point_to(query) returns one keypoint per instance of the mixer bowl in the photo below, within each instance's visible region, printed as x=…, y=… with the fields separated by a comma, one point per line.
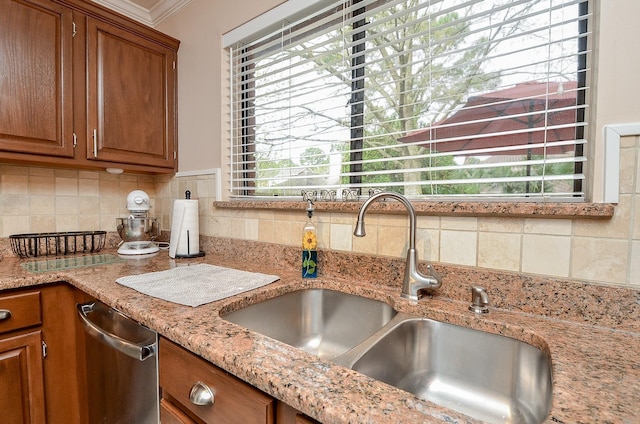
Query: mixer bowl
x=137, y=229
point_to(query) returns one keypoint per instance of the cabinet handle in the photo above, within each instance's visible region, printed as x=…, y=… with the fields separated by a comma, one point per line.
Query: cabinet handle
x=201, y=394
x=95, y=143
x=5, y=314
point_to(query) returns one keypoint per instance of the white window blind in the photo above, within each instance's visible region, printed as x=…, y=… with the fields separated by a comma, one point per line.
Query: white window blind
x=433, y=99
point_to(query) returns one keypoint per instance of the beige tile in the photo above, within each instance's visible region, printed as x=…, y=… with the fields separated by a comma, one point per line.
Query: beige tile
x=66, y=205
x=89, y=222
x=67, y=222
x=616, y=227
x=634, y=268
x=65, y=173
x=15, y=184
x=560, y=227
x=42, y=224
x=251, y=229
x=266, y=230
x=501, y=225
x=323, y=231
x=42, y=172
x=638, y=173
x=108, y=222
x=367, y=244
x=459, y=223
x=627, y=169
x=284, y=233
x=41, y=185
x=428, y=222
x=388, y=220
x=237, y=228
x=111, y=205
x=427, y=244
x=458, y=247
x=14, y=170
x=108, y=188
x=42, y=205
x=546, y=254
x=392, y=241
x=88, y=175
x=636, y=219
x=88, y=187
x=600, y=260
x=89, y=205
x=14, y=204
x=66, y=186
x=499, y=251
x=346, y=218
x=15, y=225
x=341, y=237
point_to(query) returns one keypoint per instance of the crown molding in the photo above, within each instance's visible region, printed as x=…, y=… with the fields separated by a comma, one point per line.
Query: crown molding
x=151, y=16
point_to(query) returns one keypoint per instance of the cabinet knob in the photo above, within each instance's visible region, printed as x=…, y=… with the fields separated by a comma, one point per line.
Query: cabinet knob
x=201, y=394
x=5, y=314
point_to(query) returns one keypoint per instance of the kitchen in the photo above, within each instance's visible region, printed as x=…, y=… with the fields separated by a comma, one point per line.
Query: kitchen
x=605, y=253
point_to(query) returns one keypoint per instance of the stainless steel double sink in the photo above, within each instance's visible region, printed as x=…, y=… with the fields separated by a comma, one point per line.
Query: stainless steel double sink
x=486, y=376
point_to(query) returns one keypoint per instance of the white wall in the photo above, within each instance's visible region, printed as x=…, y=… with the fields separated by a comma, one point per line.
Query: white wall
x=201, y=120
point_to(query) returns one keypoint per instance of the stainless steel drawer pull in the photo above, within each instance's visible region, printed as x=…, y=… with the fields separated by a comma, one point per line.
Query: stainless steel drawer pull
x=5, y=314
x=201, y=394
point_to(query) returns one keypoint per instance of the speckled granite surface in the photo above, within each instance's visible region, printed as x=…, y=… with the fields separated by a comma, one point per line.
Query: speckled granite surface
x=444, y=208
x=591, y=332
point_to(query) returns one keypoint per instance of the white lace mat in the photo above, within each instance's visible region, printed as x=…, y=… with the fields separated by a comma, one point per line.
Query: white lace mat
x=197, y=284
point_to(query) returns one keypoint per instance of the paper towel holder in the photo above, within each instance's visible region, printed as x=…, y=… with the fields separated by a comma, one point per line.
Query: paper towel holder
x=181, y=235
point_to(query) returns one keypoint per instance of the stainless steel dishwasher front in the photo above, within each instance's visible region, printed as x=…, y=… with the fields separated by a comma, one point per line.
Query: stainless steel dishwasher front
x=121, y=367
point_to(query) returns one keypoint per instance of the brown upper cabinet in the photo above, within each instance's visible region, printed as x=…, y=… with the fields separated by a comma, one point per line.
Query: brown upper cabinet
x=81, y=86
x=36, y=108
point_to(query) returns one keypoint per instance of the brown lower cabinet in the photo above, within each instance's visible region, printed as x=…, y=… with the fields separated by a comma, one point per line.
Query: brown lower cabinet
x=39, y=369
x=233, y=400
x=21, y=378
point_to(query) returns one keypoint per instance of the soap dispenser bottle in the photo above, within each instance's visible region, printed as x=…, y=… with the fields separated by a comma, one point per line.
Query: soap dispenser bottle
x=309, y=246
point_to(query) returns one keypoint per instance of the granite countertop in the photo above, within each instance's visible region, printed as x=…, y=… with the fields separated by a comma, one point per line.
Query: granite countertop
x=596, y=364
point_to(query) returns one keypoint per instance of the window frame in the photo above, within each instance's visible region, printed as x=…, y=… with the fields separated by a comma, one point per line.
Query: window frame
x=356, y=127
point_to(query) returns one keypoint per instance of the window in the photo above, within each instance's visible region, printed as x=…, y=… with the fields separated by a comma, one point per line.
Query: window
x=430, y=98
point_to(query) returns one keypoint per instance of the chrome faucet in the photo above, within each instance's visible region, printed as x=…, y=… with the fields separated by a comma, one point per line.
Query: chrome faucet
x=413, y=279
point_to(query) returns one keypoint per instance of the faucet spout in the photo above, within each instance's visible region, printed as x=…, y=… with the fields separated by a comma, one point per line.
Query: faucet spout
x=414, y=280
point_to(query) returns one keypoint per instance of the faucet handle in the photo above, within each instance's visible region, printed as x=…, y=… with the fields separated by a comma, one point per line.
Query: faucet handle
x=479, y=300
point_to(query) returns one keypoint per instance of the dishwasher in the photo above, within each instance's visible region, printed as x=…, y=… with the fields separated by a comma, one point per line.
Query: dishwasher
x=121, y=367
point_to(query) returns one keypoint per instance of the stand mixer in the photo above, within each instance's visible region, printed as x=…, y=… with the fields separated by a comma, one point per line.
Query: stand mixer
x=138, y=231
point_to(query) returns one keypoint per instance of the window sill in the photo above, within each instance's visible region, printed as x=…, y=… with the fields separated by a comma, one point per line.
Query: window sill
x=439, y=208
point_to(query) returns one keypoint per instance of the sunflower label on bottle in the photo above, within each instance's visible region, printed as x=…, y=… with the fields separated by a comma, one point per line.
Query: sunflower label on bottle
x=309, y=251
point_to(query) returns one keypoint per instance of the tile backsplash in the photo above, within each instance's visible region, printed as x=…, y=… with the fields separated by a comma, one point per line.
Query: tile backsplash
x=38, y=199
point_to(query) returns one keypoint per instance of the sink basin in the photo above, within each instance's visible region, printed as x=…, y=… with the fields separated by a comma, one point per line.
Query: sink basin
x=489, y=377
x=323, y=322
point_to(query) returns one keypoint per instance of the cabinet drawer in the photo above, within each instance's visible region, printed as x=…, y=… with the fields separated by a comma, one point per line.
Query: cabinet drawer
x=19, y=311
x=234, y=400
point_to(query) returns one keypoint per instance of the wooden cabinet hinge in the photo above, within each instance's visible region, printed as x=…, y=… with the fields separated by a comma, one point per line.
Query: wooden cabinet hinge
x=75, y=140
x=74, y=32
x=44, y=349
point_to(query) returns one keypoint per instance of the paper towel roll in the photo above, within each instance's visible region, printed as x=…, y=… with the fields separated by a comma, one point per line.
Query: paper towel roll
x=185, y=229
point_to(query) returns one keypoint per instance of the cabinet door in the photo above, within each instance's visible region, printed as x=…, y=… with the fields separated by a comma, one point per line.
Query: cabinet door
x=131, y=97
x=21, y=379
x=36, y=110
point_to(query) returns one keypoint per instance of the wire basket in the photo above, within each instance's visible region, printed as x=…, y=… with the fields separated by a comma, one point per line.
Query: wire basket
x=56, y=244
